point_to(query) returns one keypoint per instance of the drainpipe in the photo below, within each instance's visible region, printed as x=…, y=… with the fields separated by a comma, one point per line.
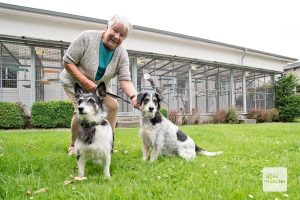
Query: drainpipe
x=244, y=83
x=33, y=77
x=243, y=56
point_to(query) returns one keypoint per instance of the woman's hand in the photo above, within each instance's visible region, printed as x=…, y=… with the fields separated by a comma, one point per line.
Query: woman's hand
x=134, y=103
x=89, y=86
x=129, y=90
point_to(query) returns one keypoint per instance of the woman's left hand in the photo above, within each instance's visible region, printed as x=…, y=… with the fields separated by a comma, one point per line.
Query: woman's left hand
x=134, y=103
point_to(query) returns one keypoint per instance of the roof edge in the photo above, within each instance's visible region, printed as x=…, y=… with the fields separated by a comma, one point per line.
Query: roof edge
x=212, y=42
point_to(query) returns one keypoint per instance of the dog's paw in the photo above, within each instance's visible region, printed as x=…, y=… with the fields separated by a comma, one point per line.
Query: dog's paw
x=152, y=160
x=144, y=158
x=107, y=177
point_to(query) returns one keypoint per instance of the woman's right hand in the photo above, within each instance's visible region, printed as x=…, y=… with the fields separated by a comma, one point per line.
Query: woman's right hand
x=89, y=86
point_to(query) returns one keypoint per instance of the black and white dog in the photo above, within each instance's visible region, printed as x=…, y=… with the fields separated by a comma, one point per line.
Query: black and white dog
x=95, y=136
x=162, y=135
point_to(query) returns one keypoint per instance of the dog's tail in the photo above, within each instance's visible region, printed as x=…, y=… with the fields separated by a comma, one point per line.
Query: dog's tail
x=207, y=153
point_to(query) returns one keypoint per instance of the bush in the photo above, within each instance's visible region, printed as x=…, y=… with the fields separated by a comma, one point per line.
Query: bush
x=173, y=116
x=52, y=114
x=196, y=116
x=274, y=114
x=11, y=116
x=269, y=115
x=258, y=114
x=290, y=109
x=186, y=119
x=220, y=117
x=286, y=102
x=232, y=117
x=164, y=112
x=253, y=113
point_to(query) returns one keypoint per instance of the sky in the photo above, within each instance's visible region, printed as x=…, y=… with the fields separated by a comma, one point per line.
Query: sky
x=267, y=25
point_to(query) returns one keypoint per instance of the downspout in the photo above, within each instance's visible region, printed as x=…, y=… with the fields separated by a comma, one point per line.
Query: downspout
x=243, y=56
x=244, y=82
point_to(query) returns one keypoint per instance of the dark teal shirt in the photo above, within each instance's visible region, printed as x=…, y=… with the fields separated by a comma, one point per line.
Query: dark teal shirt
x=104, y=59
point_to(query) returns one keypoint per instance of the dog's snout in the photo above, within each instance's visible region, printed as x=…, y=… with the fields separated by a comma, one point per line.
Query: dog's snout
x=151, y=109
x=80, y=109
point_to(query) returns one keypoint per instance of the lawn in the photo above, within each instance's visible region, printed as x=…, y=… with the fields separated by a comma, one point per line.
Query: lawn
x=35, y=159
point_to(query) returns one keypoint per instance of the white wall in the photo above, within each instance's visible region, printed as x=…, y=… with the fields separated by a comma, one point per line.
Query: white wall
x=18, y=23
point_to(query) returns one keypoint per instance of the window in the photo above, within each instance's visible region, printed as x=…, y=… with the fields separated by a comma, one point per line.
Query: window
x=8, y=77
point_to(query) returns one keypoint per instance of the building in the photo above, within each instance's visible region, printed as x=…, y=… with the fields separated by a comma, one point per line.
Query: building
x=295, y=69
x=197, y=75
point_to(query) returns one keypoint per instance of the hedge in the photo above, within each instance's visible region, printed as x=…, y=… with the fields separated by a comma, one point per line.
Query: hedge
x=11, y=116
x=52, y=114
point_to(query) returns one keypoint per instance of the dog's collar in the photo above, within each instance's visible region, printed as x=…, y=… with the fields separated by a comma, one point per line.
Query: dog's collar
x=86, y=124
x=156, y=119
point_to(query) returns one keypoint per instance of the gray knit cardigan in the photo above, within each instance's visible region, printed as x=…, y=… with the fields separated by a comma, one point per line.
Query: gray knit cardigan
x=84, y=53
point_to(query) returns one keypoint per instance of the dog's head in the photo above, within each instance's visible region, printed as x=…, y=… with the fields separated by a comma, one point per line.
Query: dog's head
x=149, y=103
x=90, y=105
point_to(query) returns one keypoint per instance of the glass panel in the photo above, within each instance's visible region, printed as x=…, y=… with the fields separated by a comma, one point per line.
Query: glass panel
x=224, y=90
x=211, y=94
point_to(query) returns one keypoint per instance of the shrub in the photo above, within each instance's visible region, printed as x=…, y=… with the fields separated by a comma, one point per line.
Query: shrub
x=252, y=114
x=274, y=114
x=259, y=115
x=286, y=102
x=173, y=116
x=269, y=115
x=11, y=116
x=196, y=119
x=164, y=112
x=196, y=116
x=220, y=117
x=232, y=117
x=52, y=114
x=186, y=119
x=290, y=110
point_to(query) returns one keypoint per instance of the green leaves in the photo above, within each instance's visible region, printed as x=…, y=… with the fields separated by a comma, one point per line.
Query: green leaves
x=286, y=101
x=11, y=116
x=52, y=114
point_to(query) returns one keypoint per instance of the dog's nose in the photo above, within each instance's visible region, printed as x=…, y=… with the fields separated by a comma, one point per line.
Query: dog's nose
x=151, y=109
x=80, y=109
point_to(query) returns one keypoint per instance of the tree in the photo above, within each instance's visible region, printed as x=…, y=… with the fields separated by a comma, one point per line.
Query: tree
x=286, y=101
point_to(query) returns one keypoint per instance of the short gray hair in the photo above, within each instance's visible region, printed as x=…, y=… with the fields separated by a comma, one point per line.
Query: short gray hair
x=119, y=19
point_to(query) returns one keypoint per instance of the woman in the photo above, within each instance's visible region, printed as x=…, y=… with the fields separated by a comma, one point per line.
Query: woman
x=94, y=57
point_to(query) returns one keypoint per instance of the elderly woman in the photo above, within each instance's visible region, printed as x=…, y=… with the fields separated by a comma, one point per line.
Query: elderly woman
x=94, y=57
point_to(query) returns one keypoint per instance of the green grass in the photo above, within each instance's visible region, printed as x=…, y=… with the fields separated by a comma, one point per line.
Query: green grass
x=236, y=174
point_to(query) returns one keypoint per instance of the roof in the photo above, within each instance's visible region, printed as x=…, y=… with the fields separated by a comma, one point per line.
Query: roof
x=293, y=65
x=140, y=28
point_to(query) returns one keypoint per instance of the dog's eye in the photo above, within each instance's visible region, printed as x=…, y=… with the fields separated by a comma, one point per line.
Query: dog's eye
x=79, y=101
x=92, y=101
x=146, y=100
x=155, y=101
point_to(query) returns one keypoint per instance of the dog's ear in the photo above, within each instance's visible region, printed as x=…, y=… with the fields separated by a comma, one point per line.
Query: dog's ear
x=158, y=97
x=78, y=90
x=101, y=89
x=140, y=97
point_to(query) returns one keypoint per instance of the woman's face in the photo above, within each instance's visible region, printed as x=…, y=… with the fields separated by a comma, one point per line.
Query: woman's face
x=114, y=35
